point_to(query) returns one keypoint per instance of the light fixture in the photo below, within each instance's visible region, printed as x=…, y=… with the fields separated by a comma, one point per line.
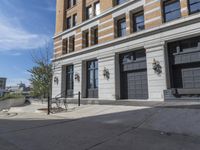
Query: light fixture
x=77, y=77
x=106, y=73
x=157, y=67
x=56, y=80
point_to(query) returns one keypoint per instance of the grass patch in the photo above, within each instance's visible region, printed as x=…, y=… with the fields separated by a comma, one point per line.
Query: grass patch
x=11, y=96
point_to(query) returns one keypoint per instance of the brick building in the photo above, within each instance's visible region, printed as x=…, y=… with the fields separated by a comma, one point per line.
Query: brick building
x=127, y=49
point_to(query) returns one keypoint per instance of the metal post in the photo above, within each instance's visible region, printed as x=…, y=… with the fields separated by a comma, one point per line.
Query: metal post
x=79, y=98
x=48, y=111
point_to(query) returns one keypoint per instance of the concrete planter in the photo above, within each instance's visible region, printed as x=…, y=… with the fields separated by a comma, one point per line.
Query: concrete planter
x=7, y=104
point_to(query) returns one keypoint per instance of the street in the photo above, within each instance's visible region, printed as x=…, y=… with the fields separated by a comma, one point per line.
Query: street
x=102, y=127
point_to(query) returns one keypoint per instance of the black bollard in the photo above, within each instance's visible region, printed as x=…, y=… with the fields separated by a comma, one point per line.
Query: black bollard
x=79, y=98
x=48, y=111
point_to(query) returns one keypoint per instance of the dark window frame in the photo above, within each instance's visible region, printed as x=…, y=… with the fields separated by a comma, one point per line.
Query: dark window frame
x=189, y=7
x=133, y=56
x=95, y=8
x=134, y=25
x=65, y=44
x=69, y=79
x=68, y=22
x=69, y=4
x=74, y=20
x=182, y=45
x=74, y=2
x=94, y=36
x=87, y=12
x=167, y=3
x=92, y=69
x=71, y=44
x=121, y=32
x=119, y=2
x=86, y=39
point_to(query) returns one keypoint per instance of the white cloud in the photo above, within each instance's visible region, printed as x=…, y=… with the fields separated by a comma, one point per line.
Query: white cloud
x=14, y=37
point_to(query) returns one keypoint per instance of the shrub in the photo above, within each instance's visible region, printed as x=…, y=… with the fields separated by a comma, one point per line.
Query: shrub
x=11, y=96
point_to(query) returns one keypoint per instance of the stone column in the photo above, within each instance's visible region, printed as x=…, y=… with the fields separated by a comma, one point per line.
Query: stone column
x=107, y=84
x=57, y=74
x=77, y=77
x=156, y=82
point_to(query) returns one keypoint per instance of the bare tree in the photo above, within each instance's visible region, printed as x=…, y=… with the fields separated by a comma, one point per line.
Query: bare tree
x=42, y=72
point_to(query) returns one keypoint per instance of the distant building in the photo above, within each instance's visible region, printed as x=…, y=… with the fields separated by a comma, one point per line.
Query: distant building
x=19, y=88
x=2, y=86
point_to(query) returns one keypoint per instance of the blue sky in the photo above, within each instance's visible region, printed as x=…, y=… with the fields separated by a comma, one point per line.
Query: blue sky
x=25, y=26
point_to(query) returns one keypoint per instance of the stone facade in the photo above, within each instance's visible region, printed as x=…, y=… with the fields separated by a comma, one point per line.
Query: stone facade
x=154, y=39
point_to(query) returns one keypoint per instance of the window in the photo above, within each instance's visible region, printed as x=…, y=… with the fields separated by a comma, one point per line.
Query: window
x=121, y=27
x=74, y=2
x=138, y=21
x=92, y=74
x=70, y=73
x=69, y=80
x=96, y=9
x=85, y=39
x=65, y=46
x=194, y=6
x=88, y=12
x=69, y=4
x=171, y=10
x=68, y=22
x=71, y=44
x=74, y=20
x=94, y=35
x=118, y=2
x=71, y=21
x=185, y=45
x=133, y=56
x=92, y=10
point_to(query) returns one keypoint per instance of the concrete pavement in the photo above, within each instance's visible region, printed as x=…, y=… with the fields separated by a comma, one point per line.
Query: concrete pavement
x=102, y=127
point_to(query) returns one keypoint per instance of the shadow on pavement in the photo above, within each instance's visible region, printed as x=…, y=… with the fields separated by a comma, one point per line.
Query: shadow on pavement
x=183, y=106
x=141, y=129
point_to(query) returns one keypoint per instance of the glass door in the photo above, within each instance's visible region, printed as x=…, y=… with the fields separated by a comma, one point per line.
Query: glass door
x=92, y=79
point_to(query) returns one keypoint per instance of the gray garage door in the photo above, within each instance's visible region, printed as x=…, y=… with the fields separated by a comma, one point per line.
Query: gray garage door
x=134, y=83
x=191, y=78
